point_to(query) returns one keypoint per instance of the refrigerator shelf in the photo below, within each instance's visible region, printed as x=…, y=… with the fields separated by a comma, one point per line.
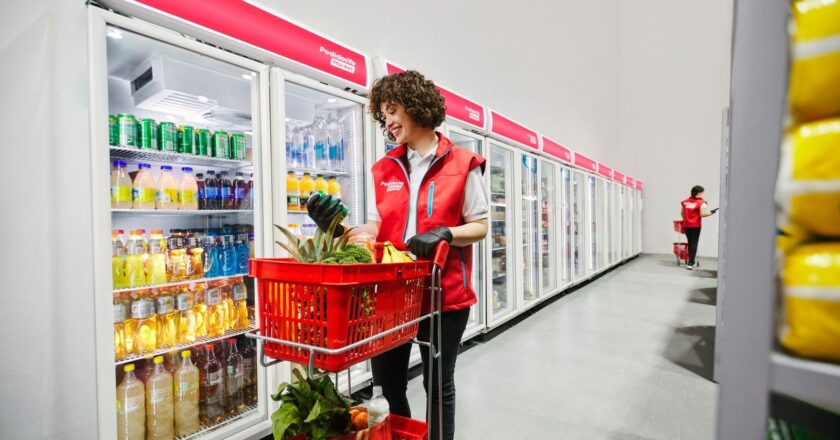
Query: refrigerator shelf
x=132, y=153
x=315, y=171
x=204, y=429
x=178, y=212
x=198, y=341
x=178, y=283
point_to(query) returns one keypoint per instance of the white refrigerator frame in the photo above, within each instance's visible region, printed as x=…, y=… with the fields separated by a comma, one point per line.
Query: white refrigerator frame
x=556, y=227
x=251, y=426
x=519, y=287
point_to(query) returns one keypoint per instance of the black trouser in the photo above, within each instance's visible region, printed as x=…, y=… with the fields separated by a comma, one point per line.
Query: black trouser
x=390, y=371
x=693, y=235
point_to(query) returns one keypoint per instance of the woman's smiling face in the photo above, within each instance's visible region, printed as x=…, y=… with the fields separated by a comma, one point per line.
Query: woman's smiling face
x=399, y=124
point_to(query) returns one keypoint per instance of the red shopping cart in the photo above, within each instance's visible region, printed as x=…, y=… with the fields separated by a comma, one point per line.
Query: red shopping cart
x=680, y=248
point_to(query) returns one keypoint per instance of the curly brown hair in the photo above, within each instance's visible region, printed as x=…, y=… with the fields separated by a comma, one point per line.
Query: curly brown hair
x=421, y=99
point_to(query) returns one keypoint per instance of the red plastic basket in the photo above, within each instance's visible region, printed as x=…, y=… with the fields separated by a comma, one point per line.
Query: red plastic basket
x=681, y=251
x=678, y=226
x=403, y=428
x=332, y=306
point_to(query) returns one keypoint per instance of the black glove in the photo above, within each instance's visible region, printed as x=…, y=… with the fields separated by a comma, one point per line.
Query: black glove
x=322, y=210
x=422, y=245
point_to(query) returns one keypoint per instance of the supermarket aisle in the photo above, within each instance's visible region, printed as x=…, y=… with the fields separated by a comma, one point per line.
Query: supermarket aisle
x=626, y=357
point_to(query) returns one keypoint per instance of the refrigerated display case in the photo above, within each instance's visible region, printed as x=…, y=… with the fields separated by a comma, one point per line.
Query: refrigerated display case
x=593, y=249
x=166, y=110
x=549, y=224
x=501, y=290
x=568, y=224
x=530, y=230
x=580, y=203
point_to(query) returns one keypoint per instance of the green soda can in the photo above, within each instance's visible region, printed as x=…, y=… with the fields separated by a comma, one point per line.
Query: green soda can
x=237, y=146
x=186, y=139
x=113, y=131
x=221, y=145
x=167, y=136
x=127, y=127
x=202, y=142
x=148, y=134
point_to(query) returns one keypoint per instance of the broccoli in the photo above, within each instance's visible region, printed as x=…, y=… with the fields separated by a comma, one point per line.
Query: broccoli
x=351, y=254
x=329, y=260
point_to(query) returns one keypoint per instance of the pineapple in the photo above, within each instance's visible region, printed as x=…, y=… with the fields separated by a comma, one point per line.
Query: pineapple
x=315, y=249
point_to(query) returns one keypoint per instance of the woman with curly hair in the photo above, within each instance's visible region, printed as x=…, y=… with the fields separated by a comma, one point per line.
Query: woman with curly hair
x=427, y=190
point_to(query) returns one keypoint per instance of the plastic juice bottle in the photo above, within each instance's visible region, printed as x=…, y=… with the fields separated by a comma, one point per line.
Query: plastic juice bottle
x=156, y=263
x=292, y=192
x=227, y=302
x=239, y=188
x=120, y=315
x=144, y=192
x=234, y=380
x=131, y=407
x=186, y=396
x=307, y=186
x=186, y=318
x=249, y=367
x=333, y=187
x=239, y=294
x=201, y=192
x=211, y=190
x=200, y=310
x=188, y=190
x=129, y=329
x=321, y=184
x=195, y=259
x=243, y=253
x=229, y=264
x=211, y=265
x=135, y=261
x=160, y=415
x=167, y=321
x=145, y=335
x=212, y=388
x=215, y=320
x=118, y=256
x=166, y=196
x=121, y=186
x=226, y=188
x=178, y=259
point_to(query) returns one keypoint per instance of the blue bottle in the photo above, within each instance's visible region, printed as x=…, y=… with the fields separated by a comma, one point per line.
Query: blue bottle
x=211, y=266
x=227, y=256
x=242, y=253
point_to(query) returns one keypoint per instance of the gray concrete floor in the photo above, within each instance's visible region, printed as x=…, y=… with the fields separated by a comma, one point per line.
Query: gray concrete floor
x=628, y=356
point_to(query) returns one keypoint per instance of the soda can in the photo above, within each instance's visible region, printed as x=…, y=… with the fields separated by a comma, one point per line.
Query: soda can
x=127, y=127
x=221, y=145
x=186, y=139
x=167, y=136
x=113, y=131
x=202, y=142
x=148, y=134
x=237, y=146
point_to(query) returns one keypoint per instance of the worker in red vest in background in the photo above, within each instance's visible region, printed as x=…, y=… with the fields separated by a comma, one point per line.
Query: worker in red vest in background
x=693, y=210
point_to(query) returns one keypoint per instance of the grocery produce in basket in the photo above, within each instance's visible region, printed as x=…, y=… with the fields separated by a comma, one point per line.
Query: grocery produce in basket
x=311, y=407
x=324, y=248
x=390, y=254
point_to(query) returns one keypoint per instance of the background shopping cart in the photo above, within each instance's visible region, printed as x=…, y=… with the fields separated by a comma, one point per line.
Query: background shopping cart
x=680, y=247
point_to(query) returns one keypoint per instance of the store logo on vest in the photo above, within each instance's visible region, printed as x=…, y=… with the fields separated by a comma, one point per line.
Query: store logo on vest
x=392, y=186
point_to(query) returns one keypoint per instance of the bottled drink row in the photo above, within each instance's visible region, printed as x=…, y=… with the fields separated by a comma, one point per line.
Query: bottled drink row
x=316, y=146
x=143, y=190
x=183, y=255
x=176, y=394
x=147, y=134
x=147, y=320
x=298, y=190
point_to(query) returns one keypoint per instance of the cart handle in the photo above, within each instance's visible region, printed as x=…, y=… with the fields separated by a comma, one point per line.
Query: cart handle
x=441, y=251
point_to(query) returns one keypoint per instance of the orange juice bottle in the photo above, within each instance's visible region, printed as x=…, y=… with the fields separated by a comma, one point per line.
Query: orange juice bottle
x=156, y=263
x=145, y=335
x=215, y=312
x=307, y=186
x=167, y=318
x=186, y=318
x=292, y=192
x=200, y=309
x=240, y=307
x=333, y=187
x=118, y=254
x=120, y=315
x=135, y=260
x=321, y=184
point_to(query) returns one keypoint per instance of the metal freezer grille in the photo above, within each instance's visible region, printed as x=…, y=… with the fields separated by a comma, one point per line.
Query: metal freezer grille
x=204, y=429
x=138, y=155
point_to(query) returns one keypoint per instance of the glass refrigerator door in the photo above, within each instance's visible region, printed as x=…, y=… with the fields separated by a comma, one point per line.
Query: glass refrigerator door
x=530, y=229
x=567, y=233
x=501, y=299
x=185, y=217
x=594, y=241
x=476, y=322
x=548, y=226
x=579, y=203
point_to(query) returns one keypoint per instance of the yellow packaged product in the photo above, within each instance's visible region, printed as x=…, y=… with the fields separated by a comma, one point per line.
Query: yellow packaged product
x=814, y=91
x=808, y=188
x=811, y=290
x=790, y=236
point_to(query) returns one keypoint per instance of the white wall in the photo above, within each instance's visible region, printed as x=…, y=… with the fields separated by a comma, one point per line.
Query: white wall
x=551, y=65
x=674, y=62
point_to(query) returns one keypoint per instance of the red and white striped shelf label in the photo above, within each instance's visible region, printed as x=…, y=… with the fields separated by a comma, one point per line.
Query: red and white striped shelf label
x=508, y=129
x=556, y=150
x=257, y=27
x=586, y=163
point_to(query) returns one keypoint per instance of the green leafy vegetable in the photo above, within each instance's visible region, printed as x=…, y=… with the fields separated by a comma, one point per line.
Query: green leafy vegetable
x=351, y=254
x=311, y=407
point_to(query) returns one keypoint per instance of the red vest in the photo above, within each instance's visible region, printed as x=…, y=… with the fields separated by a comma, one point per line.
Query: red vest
x=439, y=203
x=691, y=212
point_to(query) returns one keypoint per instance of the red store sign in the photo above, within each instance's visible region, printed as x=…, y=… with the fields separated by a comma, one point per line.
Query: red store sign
x=585, y=162
x=618, y=177
x=556, y=150
x=605, y=171
x=508, y=129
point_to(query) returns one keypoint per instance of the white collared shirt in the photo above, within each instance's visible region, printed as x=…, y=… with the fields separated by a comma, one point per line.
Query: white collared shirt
x=475, y=194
